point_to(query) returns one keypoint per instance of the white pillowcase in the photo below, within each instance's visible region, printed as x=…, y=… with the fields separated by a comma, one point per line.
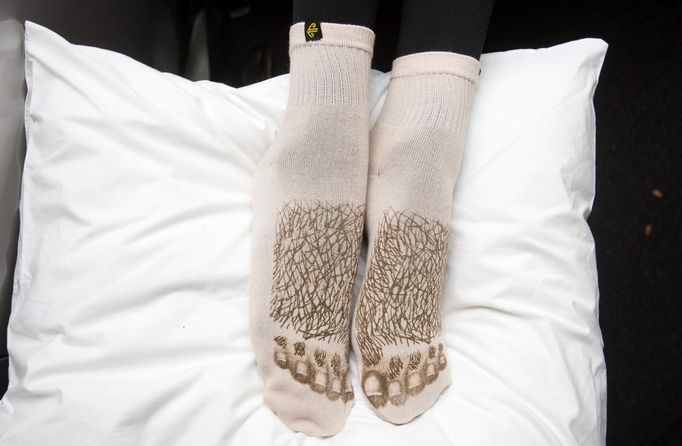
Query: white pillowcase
x=129, y=320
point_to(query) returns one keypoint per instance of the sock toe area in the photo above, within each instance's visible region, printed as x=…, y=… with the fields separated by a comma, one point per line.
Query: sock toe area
x=415, y=405
x=305, y=411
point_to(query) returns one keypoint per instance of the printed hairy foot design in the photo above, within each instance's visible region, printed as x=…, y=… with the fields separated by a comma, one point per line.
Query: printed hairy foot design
x=324, y=373
x=404, y=375
x=315, y=262
x=399, y=307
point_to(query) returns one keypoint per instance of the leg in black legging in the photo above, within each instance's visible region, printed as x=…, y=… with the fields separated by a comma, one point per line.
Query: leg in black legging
x=349, y=12
x=309, y=195
x=457, y=26
x=416, y=148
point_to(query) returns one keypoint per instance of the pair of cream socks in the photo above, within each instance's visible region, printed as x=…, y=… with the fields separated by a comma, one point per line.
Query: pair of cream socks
x=325, y=179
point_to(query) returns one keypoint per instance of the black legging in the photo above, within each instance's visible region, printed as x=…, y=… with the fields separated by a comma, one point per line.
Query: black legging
x=457, y=26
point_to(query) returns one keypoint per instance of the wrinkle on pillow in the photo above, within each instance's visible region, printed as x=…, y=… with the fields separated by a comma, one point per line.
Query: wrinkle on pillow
x=129, y=320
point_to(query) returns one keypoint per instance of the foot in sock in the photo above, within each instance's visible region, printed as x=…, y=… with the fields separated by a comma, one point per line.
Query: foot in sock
x=308, y=207
x=415, y=154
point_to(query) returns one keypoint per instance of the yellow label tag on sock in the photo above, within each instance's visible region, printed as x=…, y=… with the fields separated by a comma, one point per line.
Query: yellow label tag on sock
x=313, y=31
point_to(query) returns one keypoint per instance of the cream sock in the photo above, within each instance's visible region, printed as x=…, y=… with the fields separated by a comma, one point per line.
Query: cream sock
x=308, y=211
x=415, y=154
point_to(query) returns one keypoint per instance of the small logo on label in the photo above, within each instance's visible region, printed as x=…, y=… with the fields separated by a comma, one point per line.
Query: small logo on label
x=313, y=31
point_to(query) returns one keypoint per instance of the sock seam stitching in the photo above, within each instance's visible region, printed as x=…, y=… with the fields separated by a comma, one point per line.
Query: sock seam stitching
x=432, y=73
x=393, y=125
x=337, y=45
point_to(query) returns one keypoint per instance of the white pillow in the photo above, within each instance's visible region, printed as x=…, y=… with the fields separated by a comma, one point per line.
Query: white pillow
x=129, y=314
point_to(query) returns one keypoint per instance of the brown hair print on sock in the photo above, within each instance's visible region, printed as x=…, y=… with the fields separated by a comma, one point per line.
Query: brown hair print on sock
x=395, y=366
x=415, y=360
x=400, y=305
x=336, y=364
x=400, y=299
x=308, y=199
x=442, y=360
x=320, y=356
x=299, y=348
x=315, y=261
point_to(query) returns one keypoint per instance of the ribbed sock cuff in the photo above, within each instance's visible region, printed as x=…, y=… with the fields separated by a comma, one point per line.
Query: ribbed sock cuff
x=336, y=34
x=436, y=62
x=431, y=90
x=333, y=70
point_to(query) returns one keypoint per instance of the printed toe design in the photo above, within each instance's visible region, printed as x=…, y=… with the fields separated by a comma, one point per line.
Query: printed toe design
x=324, y=373
x=403, y=376
x=399, y=308
x=315, y=261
